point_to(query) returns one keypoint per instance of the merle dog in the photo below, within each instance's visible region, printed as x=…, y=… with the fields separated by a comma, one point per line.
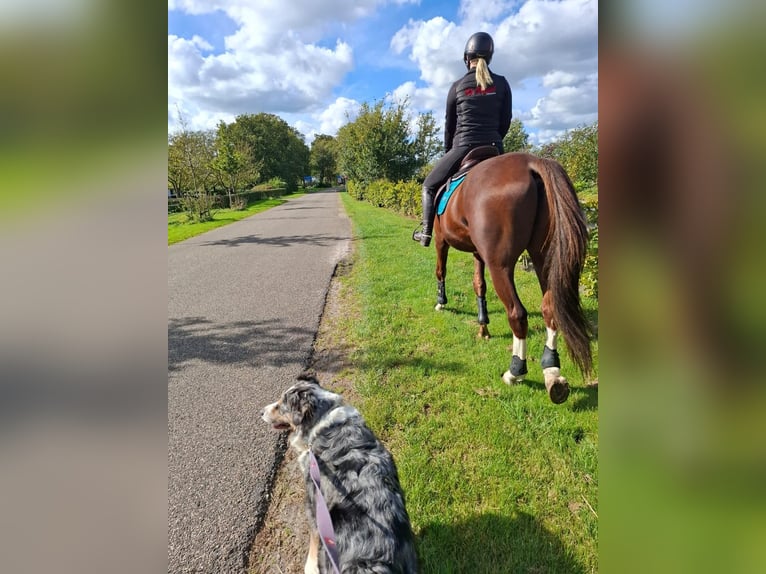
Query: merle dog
x=359, y=482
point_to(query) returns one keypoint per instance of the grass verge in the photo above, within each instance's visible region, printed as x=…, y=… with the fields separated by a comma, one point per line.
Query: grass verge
x=498, y=479
x=179, y=228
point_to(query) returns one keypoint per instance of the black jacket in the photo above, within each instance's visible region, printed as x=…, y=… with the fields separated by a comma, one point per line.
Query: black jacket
x=476, y=116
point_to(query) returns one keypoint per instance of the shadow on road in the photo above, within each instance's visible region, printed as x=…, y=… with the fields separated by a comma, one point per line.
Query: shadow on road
x=278, y=241
x=254, y=343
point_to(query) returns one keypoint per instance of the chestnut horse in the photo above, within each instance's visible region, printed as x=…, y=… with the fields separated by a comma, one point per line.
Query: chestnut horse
x=507, y=204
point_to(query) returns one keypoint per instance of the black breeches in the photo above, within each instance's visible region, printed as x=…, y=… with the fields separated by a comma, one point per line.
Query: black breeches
x=448, y=165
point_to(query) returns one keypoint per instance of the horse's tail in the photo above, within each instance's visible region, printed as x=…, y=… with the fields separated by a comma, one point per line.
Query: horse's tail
x=567, y=246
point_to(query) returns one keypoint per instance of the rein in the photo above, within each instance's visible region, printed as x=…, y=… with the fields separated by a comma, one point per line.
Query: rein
x=324, y=523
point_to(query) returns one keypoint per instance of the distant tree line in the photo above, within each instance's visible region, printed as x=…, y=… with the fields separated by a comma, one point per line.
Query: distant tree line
x=235, y=157
x=386, y=146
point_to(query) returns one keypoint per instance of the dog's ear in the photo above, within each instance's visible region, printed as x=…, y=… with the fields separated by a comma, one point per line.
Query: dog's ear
x=301, y=405
x=309, y=377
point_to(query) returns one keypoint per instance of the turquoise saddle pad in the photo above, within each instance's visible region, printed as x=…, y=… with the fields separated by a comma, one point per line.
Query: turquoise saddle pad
x=453, y=185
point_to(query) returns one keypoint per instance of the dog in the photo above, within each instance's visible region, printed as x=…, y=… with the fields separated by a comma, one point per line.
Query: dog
x=359, y=482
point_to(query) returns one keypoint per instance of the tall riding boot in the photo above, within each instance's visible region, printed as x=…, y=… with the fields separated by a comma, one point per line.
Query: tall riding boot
x=424, y=236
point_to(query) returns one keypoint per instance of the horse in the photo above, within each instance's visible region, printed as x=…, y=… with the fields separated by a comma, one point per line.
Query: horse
x=507, y=204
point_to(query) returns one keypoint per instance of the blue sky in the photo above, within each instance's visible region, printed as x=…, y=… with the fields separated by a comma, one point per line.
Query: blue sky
x=313, y=63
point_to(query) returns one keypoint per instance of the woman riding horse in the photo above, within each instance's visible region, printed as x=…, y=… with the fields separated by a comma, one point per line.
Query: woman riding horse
x=478, y=114
x=505, y=205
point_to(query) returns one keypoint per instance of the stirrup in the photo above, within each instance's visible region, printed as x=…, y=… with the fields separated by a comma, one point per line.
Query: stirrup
x=422, y=237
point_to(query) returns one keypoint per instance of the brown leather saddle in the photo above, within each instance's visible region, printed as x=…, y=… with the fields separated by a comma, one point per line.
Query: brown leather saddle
x=476, y=155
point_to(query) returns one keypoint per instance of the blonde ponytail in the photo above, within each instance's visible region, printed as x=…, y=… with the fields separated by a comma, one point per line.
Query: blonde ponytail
x=483, y=77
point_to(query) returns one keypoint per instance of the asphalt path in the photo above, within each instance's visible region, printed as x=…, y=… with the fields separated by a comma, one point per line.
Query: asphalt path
x=245, y=301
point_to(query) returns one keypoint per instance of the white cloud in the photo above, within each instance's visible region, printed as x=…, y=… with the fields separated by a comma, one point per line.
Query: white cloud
x=274, y=62
x=293, y=61
x=475, y=13
x=563, y=108
x=557, y=78
x=330, y=120
x=340, y=112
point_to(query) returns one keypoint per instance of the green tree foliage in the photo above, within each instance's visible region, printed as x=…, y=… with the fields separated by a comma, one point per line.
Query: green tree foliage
x=273, y=145
x=190, y=173
x=378, y=144
x=589, y=277
x=232, y=165
x=578, y=153
x=517, y=139
x=189, y=157
x=427, y=144
x=324, y=157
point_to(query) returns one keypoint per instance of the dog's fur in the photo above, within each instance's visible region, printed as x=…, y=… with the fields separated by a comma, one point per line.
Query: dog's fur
x=359, y=482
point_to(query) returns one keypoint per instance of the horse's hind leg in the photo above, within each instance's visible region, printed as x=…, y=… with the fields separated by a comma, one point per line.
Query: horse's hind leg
x=442, y=249
x=556, y=385
x=480, y=288
x=502, y=278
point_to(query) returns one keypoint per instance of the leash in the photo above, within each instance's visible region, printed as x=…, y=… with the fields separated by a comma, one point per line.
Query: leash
x=324, y=523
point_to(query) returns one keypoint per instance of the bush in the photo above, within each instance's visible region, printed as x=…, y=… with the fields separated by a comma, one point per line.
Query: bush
x=238, y=202
x=402, y=196
x=198, y=206
x=355, y=190
x=272, y=185
x=589, y=277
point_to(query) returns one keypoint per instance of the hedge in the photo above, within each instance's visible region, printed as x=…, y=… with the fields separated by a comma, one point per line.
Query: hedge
x=221, y=200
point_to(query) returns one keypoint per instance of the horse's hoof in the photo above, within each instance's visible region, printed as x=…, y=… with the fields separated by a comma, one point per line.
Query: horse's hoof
x=439, y=307
x=510, y=379
x=558, y=391
x=483, y=333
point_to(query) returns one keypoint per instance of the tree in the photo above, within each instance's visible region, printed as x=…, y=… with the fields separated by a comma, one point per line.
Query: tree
x=232, y=164
x=178, y=177
x=517, y=138
x=324, y=157
x=273, y=145
x=577, y=151
x=579, y=154
x=190, y=155
x=427, y=145
x=379, y=144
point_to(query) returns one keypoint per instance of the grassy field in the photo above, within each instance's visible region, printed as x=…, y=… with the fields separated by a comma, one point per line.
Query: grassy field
x=498, y=479
x=179, y=228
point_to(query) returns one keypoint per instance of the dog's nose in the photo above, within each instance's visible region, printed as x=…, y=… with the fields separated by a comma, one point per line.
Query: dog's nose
x=263, y=412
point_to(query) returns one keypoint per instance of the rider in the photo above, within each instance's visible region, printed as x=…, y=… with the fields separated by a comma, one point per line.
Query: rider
x=478, y=113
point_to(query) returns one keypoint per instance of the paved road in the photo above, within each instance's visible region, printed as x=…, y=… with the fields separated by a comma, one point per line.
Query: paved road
x=244, y=307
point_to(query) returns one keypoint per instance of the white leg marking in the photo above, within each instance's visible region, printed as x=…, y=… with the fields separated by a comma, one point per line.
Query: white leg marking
x=520, y=348
x=550, y=342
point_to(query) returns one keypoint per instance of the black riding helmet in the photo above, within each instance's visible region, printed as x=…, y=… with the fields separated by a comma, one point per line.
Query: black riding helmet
x=480, y=45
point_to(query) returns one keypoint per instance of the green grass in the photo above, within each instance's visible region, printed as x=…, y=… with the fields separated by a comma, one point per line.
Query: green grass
x=497, y=478
x=179, y=228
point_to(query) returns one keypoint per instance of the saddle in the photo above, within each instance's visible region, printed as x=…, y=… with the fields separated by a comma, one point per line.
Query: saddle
x=476, y=155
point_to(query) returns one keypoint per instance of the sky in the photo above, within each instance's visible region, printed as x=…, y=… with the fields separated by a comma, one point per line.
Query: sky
x=313, y=63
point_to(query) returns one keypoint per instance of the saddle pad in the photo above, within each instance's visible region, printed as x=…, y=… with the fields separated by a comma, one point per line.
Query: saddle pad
x=453, y=185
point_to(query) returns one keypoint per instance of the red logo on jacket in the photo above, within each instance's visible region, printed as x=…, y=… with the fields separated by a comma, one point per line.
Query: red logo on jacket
x=477, y=91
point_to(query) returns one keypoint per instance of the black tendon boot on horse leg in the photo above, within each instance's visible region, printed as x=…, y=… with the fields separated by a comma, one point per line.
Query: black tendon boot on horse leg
x=424, y=236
